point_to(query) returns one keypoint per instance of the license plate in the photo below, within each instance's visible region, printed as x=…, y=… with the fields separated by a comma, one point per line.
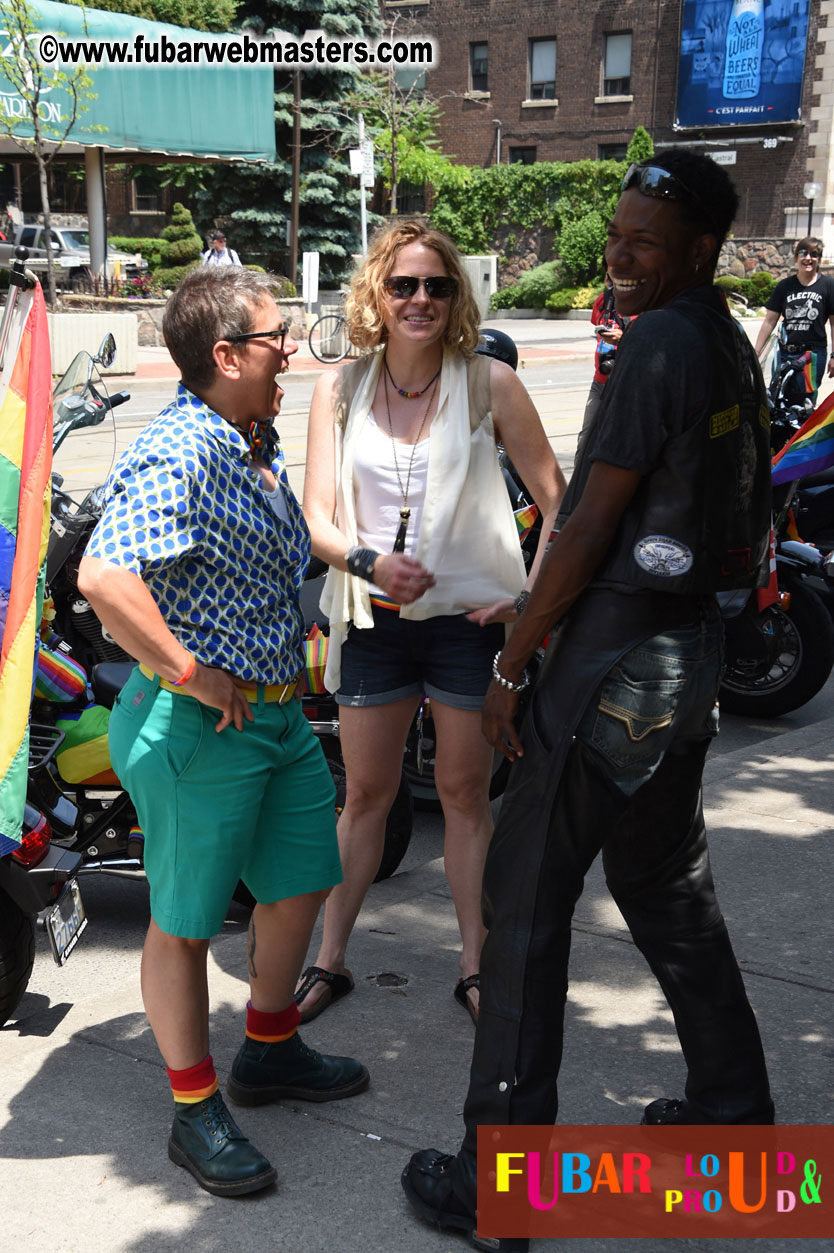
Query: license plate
x=65, y=922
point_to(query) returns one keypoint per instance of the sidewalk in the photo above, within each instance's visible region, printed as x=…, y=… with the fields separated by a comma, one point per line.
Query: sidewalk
x=87, y=1108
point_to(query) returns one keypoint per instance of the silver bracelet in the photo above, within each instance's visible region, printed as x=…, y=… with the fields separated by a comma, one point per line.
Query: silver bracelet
x=520, y=602
x=506, y=683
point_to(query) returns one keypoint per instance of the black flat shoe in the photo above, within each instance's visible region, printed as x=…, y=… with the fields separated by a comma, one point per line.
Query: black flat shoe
x=667, y=1112
x=427, y=1182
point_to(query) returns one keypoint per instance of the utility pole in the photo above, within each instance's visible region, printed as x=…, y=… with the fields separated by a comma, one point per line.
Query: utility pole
x=296, y=175
x=363, y=216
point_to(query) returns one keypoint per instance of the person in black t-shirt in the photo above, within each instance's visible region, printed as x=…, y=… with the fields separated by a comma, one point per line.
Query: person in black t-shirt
x=806, y=302
x=669, y=502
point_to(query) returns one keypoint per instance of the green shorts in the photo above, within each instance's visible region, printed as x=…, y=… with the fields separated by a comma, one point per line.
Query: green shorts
x=256, y=804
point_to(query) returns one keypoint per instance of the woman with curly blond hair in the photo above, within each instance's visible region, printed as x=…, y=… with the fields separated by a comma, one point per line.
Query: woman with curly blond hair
x=406, y=503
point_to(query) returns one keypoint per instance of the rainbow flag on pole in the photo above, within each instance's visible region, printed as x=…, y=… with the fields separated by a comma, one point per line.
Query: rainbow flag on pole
x=25, y=491
x=810, y=450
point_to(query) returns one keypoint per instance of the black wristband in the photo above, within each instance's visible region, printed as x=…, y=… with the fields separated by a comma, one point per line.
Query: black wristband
x=520, y=602
x=360, y=561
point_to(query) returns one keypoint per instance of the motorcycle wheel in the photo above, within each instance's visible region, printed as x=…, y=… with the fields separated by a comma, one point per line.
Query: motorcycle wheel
x=798, y=658
x=17, y=955
x=398, y=827
x=422, y=784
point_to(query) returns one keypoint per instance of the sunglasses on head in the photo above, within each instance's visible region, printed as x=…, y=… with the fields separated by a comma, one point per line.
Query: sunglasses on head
x=809, y=252
x=280, y=335
x=403, y=286
x=654, y=181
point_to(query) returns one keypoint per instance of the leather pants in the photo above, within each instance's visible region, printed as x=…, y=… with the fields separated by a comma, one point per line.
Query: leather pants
x=653, y=842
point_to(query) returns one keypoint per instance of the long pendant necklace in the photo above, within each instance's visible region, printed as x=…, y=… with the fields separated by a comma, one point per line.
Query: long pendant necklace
x=405, y=512
x=410, y=395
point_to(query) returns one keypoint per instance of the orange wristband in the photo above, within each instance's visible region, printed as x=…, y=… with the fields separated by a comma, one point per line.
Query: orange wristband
x=187, y=672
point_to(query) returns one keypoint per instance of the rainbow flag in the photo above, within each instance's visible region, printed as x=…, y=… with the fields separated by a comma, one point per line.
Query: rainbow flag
x=25, y=491
x=811, y=449
x=524, y=519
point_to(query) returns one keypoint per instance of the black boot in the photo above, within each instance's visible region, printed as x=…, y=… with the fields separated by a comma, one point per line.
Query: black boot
x=427, y=1182
x=207, y=1141
x=288, y=1068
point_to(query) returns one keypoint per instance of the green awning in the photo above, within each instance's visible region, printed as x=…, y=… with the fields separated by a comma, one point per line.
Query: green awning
x=223, y=112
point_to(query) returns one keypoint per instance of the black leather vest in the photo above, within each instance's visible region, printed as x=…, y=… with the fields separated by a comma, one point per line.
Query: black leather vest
x=700, y=522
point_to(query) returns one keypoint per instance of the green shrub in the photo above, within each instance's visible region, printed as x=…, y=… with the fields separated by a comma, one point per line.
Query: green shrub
x=563, y=298
x=581, y=245
x=537, y=284
x=506, y=298
x=585, y=296
x=169, y=276
x=730, y=283
x=475, y=206
x=762, y=283
x=284, y=289
x=155, y=251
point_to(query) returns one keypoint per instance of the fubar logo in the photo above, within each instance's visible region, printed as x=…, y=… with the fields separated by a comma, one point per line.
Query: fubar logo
x=674, y=1182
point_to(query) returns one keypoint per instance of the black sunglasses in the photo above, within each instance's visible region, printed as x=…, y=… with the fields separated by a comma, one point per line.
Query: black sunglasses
x=654, y=181
x=280, y=335
x=809, y=252
x=403, y=286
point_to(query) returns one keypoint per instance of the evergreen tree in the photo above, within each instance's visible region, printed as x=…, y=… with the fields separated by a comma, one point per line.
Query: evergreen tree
x=253, y=202
x=184, y=247
x=641, y=147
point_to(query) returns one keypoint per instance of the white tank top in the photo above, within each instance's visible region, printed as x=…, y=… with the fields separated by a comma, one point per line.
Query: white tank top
x=377, y=489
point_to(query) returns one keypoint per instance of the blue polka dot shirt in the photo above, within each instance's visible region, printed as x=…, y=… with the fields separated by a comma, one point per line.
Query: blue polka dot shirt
x=185, y=513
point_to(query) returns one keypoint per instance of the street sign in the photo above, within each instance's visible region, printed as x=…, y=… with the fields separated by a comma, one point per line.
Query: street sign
x=724, y=158
x=368, y=174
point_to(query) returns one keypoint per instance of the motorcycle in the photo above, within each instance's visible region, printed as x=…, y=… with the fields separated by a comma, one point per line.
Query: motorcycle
x=779, y=655
x=89, y=810
x=38, y=887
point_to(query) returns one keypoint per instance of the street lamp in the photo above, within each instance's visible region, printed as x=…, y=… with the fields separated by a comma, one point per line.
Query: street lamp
x=810, y=191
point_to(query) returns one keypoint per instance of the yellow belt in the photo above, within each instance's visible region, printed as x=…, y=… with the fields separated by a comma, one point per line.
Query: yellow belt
x=272, y=693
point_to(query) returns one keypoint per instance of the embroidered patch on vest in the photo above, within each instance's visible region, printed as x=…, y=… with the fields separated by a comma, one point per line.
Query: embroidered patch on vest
x=724, y=422
x=662, y=556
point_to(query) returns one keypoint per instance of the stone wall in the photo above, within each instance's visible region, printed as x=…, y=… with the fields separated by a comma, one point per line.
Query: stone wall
x=742, y=257
x=149, y=314
x=521, y=248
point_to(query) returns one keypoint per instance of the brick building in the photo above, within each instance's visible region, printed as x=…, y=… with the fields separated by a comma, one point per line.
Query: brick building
x=550, y=80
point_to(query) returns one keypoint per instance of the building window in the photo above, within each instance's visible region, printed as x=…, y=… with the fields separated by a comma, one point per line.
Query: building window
x=145, y=194
x=542, y=69
x=411, y=198
x=478, y=64
x=411, y=81
x=612, y=152
x=616, y=64
x=523, y=156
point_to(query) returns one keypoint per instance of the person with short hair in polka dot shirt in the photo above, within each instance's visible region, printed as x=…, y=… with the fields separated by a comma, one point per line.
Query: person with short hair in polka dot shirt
x=195, y=569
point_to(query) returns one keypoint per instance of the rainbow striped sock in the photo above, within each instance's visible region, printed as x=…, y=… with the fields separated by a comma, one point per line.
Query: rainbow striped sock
x=272, y=1028
x=195, y=1083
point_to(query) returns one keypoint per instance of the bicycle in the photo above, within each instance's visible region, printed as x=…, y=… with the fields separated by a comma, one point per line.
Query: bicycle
x=329, y=340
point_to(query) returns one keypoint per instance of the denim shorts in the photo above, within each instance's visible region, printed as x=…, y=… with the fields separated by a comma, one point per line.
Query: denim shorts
x=447, y=658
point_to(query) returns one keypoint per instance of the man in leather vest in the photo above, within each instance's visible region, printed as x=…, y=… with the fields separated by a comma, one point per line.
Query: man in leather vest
x=669, y=503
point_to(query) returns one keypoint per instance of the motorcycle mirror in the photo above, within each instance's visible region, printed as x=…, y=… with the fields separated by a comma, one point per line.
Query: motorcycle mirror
x=106, y=354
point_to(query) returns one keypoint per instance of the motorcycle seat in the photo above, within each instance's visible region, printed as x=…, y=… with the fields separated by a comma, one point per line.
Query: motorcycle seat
x=823, y=479
x=108, y=679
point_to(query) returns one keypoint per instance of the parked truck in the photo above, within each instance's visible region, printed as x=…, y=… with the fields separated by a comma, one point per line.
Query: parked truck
x=70, y=253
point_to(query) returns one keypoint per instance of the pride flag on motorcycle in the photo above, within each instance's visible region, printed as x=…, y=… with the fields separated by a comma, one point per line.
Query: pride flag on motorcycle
x=25, y=490
x=810, y=450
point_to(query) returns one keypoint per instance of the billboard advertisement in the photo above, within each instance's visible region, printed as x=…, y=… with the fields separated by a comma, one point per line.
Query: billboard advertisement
x=741, y=61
